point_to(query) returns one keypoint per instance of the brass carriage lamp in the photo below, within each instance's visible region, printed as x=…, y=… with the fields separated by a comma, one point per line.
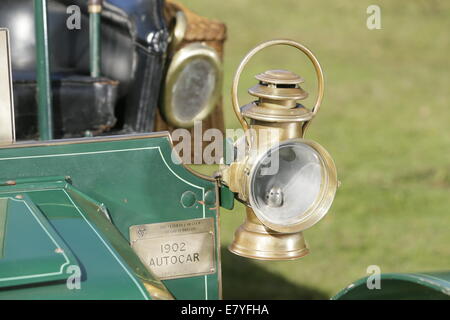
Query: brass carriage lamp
x=288, y=183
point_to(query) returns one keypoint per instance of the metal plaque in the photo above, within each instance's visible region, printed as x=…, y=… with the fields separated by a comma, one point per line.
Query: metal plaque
x=176, y=249
x=6, y=98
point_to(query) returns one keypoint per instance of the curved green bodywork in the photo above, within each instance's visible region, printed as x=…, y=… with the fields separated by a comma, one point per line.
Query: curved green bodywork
x=44, y=258
x=35, y=263
x=88, y=192
x=401, y=286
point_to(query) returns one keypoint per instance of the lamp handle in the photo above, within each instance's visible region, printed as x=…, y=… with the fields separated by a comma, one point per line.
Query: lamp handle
x=306, y=51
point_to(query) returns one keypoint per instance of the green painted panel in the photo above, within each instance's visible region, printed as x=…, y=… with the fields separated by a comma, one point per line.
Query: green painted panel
x=226, y=198
x=98, y=216
x=104, y=274
x=136, y=180
x=33, y=251
x=401, y=286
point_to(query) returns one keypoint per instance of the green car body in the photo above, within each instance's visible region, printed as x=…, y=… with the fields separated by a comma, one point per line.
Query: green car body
x=69, y=205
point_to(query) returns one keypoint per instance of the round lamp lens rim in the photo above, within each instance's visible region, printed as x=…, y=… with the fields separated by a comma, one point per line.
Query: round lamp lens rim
x=323, y=201
x=179, y=62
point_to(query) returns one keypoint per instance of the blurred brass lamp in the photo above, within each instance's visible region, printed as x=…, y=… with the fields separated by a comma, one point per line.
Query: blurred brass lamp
x=193, y=80
x=288, y=183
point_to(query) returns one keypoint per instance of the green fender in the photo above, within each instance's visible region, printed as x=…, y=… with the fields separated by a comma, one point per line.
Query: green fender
x=401, y=286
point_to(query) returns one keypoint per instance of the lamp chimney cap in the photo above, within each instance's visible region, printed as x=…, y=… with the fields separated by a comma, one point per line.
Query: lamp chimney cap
x=278, y=85
x=279, y=76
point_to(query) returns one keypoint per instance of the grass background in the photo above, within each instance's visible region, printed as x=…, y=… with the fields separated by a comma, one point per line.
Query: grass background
x=385, y=120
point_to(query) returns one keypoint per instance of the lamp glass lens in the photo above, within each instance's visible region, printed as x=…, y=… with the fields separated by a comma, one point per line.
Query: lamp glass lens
x=286, y=183
x=193, y=89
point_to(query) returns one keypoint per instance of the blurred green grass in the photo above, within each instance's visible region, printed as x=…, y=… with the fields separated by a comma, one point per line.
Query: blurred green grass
x=385, y=120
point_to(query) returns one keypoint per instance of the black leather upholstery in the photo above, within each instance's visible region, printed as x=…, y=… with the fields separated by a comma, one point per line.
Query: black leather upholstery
x=81, y=105
x=134, y=40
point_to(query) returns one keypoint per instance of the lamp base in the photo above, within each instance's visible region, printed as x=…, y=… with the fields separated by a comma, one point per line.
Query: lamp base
x=253, y=240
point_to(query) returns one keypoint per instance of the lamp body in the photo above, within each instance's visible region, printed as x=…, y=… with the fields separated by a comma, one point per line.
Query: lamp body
x=253, y=240
x=287, y=196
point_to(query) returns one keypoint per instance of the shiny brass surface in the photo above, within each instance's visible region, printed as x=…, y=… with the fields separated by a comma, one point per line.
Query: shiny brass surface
x=179, y=30
x=257, y=237
x=157, y=292
x=238, y=177
x=7, y=131
x=253, y=240
x=275, y=93
x=322, y=203
x=285, y=130
x=179, y=61
x=279, y=85
x=276, y=118
x=306, y=51
x=278, y=95
x=279, y=76
x=263, y=112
